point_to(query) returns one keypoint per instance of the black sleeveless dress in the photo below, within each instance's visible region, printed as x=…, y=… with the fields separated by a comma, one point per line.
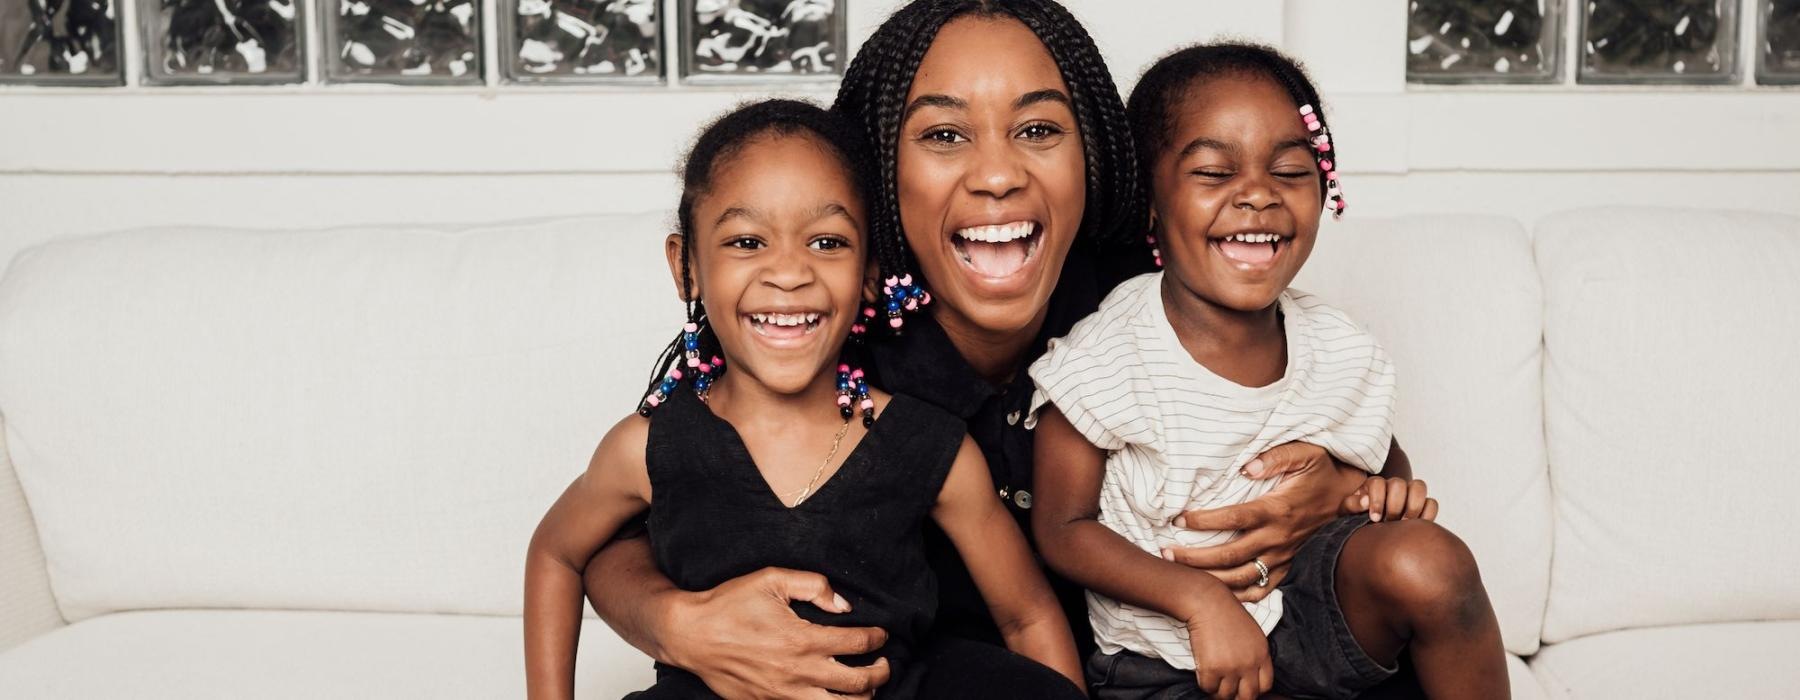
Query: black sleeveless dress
x=713, y=518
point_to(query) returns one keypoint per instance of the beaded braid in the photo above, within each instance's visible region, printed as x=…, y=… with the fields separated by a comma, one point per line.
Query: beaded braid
x=874, y=90
x=1153, y=102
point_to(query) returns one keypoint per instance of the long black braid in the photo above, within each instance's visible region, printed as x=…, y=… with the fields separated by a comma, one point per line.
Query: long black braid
x=1156, y=100
x=716, y=146
x=874, y=90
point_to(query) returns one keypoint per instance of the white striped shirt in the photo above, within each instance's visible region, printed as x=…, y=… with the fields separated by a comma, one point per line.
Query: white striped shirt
x=1176, y=433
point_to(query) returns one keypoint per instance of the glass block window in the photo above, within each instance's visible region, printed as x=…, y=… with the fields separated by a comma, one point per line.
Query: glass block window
x=223, y=41
x=1778, y=51
x=1483, y=41
x=581, y=40
x=1659, y=41
x=402, y=41
x=762, y=38
x=60, y=42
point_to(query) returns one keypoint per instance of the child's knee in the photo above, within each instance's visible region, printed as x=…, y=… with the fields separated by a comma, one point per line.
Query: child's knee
x=1424, y=569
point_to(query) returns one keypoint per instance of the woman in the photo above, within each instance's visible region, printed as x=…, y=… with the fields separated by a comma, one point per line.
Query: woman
x=1008, y=182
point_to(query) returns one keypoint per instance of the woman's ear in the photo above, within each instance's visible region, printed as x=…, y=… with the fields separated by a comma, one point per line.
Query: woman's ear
x=673, y=250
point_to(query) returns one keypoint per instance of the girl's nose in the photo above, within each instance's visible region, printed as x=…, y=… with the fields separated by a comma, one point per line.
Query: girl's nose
x=789, y=269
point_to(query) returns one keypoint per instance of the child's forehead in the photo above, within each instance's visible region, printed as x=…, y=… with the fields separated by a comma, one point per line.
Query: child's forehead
x=1235, y=106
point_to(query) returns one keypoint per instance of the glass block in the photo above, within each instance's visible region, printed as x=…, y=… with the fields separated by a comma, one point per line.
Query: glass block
x=223, y=41
x=1659, y=41
x=60, y=42
x=581, y=41
x=1483, y=41
x=402, y=41
x=761, y=40
x=1778, y=52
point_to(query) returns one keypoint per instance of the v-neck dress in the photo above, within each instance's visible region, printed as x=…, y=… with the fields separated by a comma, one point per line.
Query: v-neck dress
x=713, y=518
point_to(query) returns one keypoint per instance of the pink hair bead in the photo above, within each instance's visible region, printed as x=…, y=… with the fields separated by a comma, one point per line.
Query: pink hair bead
x=894, y=322
x=1306, y=109
x=693, y=362
x=676, y=373
x=856, y=374
x=653, y=401
x=844, y=400
x=691, y=328
x=906, y=280
x=1325, y=165
x=705, y=368
x=1325, y=147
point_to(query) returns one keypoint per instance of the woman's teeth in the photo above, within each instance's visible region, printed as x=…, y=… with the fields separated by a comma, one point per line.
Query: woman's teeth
x=997, y=251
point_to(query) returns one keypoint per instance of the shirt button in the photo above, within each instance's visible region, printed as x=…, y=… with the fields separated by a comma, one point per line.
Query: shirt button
x=1012, y=418
x=1022, y=499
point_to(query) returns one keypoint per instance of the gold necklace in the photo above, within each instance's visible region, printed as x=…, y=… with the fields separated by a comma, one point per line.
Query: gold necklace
x=835, y=442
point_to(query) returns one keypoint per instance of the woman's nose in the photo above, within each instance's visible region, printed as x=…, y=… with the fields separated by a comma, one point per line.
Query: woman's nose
x=996, y=170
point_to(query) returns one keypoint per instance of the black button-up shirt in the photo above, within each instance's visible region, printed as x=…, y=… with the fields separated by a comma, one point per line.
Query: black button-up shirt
x=921, y=362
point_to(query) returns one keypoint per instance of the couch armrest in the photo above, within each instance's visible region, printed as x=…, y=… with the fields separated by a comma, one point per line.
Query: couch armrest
x=27, y=609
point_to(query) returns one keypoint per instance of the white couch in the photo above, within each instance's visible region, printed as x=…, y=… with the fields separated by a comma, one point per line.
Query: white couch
x=306, y=464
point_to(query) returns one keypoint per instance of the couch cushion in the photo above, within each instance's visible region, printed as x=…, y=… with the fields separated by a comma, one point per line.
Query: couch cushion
x=268, y=654
x=364, y=419
x=1733, y=660
x=1456, y=302
x=1670, y=389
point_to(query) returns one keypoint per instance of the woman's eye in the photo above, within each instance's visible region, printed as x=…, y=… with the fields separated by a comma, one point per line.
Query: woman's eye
x=829, y=243
x=1039, y=132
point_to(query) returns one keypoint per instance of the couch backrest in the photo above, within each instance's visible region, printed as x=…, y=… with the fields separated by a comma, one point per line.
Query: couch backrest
x=363, y=419
x=1456, y=301
x=1672, y=395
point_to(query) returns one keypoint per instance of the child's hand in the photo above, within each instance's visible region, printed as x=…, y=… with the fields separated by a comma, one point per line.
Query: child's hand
x=1385, y=498
x=1231, y=654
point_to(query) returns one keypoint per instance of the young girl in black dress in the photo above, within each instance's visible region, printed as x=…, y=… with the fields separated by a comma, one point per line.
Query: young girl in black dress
x=789, y=459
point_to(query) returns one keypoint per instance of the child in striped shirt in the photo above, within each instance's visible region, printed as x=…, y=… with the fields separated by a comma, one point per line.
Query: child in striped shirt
x=1154, y=405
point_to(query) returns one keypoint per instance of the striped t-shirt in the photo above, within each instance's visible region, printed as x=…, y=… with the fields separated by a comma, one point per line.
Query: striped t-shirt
x=1176, y=433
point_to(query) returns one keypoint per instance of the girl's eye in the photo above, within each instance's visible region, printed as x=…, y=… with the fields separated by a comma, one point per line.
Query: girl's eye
x=1040, y=131
x=744, y=243
x=1293, y=173
x=1213, y=173
x=944, y=137
x=829, y=243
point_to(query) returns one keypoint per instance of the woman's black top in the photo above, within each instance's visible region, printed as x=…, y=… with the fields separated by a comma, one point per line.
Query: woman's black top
x=713, y=517
x=921, y=362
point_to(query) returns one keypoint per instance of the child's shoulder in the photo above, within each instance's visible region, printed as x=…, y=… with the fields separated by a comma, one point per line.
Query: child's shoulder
x=1117, y=314
x=623, y=444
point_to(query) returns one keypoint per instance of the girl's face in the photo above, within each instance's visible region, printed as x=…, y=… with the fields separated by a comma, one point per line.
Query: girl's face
x=1236, y=192
x=779, y=260
x=991, y=174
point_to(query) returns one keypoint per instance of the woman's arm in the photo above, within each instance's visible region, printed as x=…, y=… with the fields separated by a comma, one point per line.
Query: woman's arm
x=612, y=490
x=1315, y=489
x=1002, y=567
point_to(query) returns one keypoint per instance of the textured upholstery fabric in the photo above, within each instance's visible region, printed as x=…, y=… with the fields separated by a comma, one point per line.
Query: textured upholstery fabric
x=27, y=608
x=225, y=654
x=1456, y=302
x=1670, y=389
x=1738, y=660
x=362, y=419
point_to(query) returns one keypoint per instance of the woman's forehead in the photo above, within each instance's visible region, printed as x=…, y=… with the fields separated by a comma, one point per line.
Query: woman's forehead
x=978, y=60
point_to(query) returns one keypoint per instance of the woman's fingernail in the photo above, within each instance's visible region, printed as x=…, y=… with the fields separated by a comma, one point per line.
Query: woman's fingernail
x=843, y=606
x=1168, y=555
x=1365, y=502
x=1375, y=516
x=1255, y=467
x=1181, y=521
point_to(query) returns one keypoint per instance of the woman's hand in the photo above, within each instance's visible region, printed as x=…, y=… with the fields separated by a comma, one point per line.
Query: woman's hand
x=1314, y=491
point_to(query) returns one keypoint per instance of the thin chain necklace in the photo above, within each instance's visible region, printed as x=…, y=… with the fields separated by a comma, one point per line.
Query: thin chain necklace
x=835, y=442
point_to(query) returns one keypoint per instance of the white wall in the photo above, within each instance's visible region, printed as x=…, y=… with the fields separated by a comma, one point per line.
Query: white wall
x=83, y=160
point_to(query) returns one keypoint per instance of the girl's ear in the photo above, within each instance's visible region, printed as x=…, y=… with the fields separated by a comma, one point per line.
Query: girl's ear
x=672, y=249
x=871, y=283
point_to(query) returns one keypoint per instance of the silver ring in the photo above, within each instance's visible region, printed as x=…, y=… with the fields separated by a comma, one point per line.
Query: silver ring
x=1262, y=572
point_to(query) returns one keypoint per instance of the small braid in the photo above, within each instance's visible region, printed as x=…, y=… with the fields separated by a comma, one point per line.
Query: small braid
x=875, y=87
x=1155, y=100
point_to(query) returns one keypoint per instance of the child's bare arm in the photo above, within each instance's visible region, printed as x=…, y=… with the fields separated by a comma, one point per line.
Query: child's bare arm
x=614, y=488
x=1228, y=646
x=1001, y=565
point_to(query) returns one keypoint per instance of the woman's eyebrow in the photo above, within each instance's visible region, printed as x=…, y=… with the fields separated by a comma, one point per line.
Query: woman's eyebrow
x=1045, y=95
x=933, y=100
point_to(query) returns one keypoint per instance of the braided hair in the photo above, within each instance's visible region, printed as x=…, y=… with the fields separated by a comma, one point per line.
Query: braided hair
x=873, y=95
x=718, y=144
x=1155, y=102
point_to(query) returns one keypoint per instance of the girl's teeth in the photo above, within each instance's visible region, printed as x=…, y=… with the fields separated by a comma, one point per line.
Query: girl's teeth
x=785, y=319
x=1255, y=238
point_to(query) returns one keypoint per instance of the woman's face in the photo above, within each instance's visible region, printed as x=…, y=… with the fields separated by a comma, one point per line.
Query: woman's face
x=991, y=175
